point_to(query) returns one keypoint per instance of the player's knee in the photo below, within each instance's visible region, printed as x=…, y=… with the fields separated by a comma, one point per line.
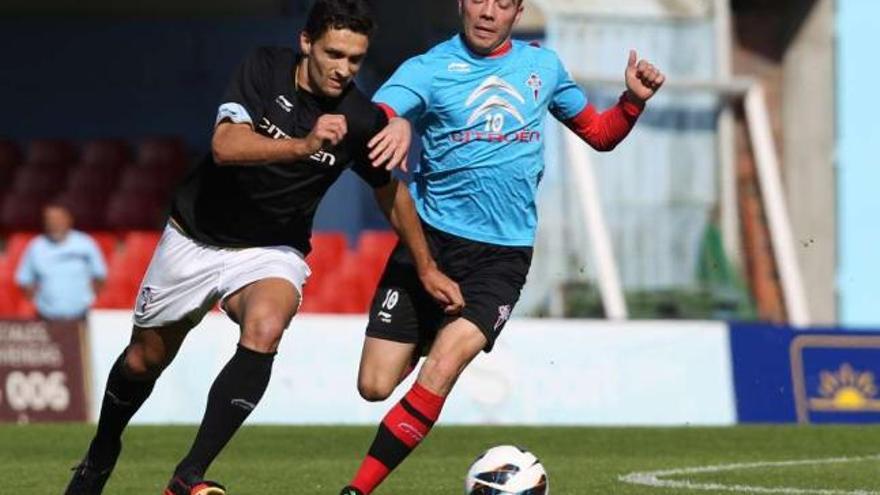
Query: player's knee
x=263, y=333
x=442, y=370
x=375, y=390
x=145, y=362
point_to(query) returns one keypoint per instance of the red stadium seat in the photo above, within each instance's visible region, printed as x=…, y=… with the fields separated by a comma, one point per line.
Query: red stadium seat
x=315, y=303
x=8, y=297
x=376, y=244
x=22, y=211
x=126, y=269
x=16, y=244
x=138, y=246
x=97, y=178
x=11, y=298
x=137, y=179
x=127, y=212
x=7, y=174
x=10, y=158
x=374, y=247
x=161, y=151
x=164, y=157
x=25, y=309
x=50, y=153
x=10, y=154
x=86, y=207
x=106, y=152
x=13, y=303
x=120, y=288
x=328, y=250
x=108, y=242
x=345, y=290
x=39, y=181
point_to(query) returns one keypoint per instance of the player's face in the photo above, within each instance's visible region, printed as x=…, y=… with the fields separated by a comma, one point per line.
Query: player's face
x=334, y=59
x=57, y=222
x=489, y=23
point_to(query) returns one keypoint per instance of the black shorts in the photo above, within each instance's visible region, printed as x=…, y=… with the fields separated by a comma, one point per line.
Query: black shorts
x=490, y=278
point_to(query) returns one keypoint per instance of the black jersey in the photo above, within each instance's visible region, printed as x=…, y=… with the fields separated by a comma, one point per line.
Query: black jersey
x=274, y=204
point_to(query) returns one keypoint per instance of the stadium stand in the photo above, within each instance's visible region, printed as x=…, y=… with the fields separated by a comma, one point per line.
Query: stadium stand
x=13, y=303
x=21, y=211
x=106, y=152
x=119, y=193
x=127, y=211
x=50, y=153
x=39, y=180
x=94, y=177
x=10, y=158
x=86, y=206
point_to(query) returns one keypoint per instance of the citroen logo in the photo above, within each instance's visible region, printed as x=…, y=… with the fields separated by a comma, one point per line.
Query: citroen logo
x=496, y=101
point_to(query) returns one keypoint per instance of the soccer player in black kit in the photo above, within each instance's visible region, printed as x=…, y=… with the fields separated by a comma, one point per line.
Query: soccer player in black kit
x=240, y=226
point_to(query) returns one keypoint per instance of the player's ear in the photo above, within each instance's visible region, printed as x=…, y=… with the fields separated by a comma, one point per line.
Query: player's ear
x=519, y=12
x=460, y=8
x=305, y=43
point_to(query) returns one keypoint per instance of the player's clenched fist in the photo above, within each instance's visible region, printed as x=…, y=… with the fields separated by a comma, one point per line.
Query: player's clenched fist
x=643, y=80
x=328, y=132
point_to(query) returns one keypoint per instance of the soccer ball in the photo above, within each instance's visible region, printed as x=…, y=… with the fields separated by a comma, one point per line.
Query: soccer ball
x=507, y=470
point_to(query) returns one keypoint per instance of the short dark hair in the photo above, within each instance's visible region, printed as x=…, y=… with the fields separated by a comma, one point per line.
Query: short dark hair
x=354, y=15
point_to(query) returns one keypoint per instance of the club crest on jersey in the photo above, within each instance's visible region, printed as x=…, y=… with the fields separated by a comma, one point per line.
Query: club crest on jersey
x=284, y=103
x=534, y=82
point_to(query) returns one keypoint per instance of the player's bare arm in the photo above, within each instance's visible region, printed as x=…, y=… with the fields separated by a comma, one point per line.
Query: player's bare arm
x=390, y=147
x=239, y=144
x=398, y=207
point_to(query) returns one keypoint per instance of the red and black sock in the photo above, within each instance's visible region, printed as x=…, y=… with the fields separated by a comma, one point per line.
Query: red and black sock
x=402, y=430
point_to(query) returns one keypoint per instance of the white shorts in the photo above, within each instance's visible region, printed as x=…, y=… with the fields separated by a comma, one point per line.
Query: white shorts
x=186, y=279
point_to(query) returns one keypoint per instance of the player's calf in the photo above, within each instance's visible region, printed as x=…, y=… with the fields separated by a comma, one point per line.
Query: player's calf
x=456, y=346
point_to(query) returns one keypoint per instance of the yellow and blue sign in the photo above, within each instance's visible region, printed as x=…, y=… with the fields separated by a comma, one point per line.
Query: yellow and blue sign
x=814, y=376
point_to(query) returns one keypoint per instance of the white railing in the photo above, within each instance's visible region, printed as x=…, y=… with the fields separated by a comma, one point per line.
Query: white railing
x=741, y=91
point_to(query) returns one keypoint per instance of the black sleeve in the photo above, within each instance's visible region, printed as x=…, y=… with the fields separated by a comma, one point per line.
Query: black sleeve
x=243, y=100
x=374, y=120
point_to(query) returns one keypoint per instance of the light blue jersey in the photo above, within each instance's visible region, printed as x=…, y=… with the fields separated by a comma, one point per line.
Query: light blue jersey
x=481, y=120
x=62, y=273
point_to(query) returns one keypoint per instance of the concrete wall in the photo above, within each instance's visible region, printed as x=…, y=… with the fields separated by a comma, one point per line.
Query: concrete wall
x=789, y=47
x=808, y=108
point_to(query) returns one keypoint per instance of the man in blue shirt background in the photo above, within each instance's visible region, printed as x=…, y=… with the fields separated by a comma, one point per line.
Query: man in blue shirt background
x=61, y=270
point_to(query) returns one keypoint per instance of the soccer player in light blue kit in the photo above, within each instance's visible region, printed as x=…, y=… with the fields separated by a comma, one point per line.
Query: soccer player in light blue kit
x=479, y=101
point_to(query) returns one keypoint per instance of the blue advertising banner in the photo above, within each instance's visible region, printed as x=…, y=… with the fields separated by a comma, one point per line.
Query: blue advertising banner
x=805, y=376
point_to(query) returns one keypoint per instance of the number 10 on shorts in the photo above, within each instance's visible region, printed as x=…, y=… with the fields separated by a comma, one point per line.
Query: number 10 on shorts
x=391, y=299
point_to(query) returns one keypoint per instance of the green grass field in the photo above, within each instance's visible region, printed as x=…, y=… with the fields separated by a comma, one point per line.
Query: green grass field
x=319, y=460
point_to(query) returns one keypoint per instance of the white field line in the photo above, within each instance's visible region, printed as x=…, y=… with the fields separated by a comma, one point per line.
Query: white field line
x=653, y=478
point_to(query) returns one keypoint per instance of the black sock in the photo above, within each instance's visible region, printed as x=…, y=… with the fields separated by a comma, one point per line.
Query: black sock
x=122, y=398
x=235, y=393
